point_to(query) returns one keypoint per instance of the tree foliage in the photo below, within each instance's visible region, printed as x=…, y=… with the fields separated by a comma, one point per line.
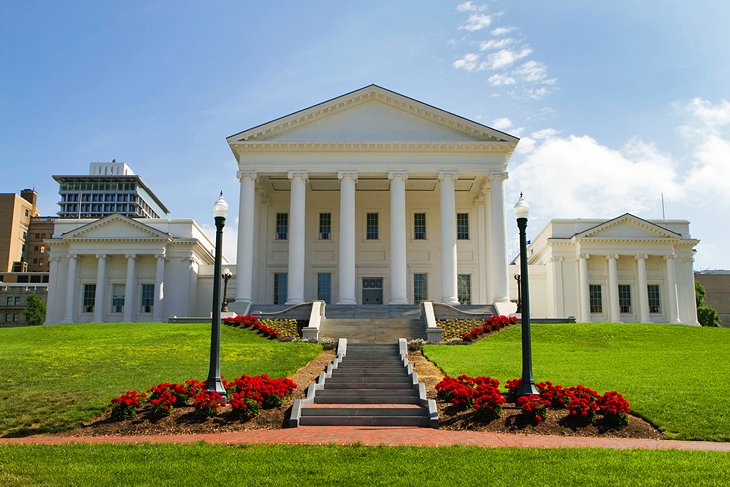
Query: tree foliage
x=35, y=312
x=706, y=314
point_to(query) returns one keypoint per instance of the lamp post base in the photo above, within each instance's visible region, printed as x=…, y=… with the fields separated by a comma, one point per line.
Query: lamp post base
x=526, y=388
x=216, y=385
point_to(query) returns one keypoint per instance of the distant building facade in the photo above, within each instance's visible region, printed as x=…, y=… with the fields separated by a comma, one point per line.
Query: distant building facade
x=109, y=188
x=118, y=269
x=626, y=269
x=16, y=213
x=717, y=289
x=36, y=250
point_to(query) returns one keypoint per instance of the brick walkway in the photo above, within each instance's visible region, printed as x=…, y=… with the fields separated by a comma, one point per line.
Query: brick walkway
x=394, y=436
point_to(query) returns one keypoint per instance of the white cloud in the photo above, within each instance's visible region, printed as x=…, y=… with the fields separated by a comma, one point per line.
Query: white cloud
x=533, y=72
x=470, y=7
x=495, y=44
x=504, y=58
x=500, y=31
x=502, y=123
x=477, y=22
x=467, y=63
x=544, y=134
x=501, y=80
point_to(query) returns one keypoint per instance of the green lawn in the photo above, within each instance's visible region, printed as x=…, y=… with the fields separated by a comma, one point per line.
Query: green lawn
x=676, y=376
x=54, y=377
x=201, y=464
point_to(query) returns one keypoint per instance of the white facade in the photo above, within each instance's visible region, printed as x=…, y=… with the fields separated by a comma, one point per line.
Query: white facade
x=119, y=269
x=622, y=270
x=372, y=197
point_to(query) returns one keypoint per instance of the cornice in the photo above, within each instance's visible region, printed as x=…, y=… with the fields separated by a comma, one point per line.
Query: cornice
x=466, y=147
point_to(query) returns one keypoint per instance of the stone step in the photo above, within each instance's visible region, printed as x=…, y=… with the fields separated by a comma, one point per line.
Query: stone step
x=364, y=399
x=352, y=420
x=360, y=373
x=362, y=362
x=366, y=386
x=363, y=410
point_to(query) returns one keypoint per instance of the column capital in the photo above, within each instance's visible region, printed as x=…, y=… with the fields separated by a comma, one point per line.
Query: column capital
x=130, y=256
x=641, y=257
x=298, y=174
x=556, y=259
x=585, y=256
x=398, y=175
x=612, y=257
x=347, y=175
x=497, y=177
x=448, y=175
x=670, y=257
x=246, y=174
x=101, y=256
x=73, y=256
x=160, y=256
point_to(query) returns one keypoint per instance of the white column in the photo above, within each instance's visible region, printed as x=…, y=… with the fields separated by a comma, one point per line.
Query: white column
x=559, y=297
x=482, y=251
x=346, y=267
x=398, y=237
x=53, y=297
x=585, y=302
x=295, y=278
x=157, y=311
x=129, y=288
x=449, y=289
x=672, y=290
x=99, y=304
x=71, y=289
x=499, y=240
x=246, y=234
x=614, y=311
x=488, y=243
x=643, y=290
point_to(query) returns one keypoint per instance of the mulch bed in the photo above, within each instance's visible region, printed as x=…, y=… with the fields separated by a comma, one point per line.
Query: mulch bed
x=184, y=419
x=558, y=421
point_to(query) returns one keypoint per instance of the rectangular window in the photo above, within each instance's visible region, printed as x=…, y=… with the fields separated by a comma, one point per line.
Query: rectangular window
x=148, y=298
x=282, y=226
x=624, y=298
x=89, y=297
x=420, y=288
x=16, y=316
x=280, y=284
x=419, y=226
x=371, y=229
x=41, y=263
x=462, y=226
x=43, y=249
x=35, y=247
x=464, y=288
x=17, y=300
x=8, y=317
x=117, y=298
x=9, y=301
x=324, y=286
x=596, y=300
x=325, y=226
x=654, y=302
x=35, y=260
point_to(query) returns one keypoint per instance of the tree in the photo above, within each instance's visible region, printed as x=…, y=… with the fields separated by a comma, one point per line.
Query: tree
x=706, y=315
x=35, y=311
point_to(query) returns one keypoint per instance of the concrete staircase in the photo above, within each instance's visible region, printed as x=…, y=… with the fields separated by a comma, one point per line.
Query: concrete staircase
x=373, y=311
x=366, y=385
x=374, y=331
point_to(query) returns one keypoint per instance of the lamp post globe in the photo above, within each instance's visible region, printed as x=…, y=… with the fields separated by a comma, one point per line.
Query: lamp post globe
x=527, y=387
x=214, y=382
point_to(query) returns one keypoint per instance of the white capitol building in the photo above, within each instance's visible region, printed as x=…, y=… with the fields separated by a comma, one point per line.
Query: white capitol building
x=372, y=198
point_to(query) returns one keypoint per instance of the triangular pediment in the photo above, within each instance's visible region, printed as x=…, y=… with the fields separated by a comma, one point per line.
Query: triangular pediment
x=628, y=226
x=115, y=227
x=371, y=115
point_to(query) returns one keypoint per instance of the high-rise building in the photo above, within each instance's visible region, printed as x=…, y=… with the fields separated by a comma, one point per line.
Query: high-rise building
x=109, y=188
x=16, y=213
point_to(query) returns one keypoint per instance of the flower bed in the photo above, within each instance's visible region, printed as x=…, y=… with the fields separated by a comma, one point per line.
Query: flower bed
x=247, y=394
x=270, y=328
x=482, y=394
x=471, y=330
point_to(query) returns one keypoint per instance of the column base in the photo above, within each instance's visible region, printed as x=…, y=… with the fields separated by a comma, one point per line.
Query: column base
x=295, y=301
x=450, y=301
x=401, y=301
x=347, y=301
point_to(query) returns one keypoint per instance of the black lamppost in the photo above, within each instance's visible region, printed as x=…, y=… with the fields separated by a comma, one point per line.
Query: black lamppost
x=518, y=278
x=214, y=382
x=227, y=274
x=527, y=387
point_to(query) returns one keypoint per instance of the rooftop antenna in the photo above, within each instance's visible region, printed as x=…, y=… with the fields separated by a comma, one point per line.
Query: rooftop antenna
x=664, y=216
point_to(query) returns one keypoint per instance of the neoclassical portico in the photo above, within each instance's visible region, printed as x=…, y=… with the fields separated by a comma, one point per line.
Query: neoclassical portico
x=372, y=197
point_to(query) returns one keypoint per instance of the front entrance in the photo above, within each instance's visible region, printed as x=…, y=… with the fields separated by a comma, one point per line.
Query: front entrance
x=372, y=290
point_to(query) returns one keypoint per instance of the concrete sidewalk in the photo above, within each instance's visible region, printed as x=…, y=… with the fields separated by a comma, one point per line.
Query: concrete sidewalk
x=391, y=436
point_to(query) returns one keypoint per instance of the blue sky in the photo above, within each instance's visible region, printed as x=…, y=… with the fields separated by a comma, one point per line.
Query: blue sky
x=615, y=102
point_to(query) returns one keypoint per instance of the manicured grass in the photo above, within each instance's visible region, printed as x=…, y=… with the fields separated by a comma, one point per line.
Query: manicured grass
x=353, y=465
x=675, y=376
x=54, y=377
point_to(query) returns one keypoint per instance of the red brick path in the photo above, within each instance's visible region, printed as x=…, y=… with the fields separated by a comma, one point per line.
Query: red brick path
x=395, y=436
